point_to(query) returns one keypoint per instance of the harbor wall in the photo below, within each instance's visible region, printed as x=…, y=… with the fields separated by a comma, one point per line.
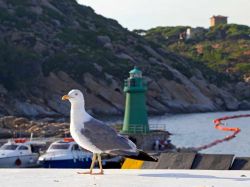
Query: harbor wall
x=194, y=161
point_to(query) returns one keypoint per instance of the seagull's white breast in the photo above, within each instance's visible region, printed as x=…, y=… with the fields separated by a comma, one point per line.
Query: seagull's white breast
x=78, y=116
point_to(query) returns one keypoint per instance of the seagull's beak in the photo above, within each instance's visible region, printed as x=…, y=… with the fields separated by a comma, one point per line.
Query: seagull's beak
x=65, y=97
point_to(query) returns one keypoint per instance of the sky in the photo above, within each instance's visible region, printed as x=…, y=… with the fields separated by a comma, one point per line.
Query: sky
x=145, y=14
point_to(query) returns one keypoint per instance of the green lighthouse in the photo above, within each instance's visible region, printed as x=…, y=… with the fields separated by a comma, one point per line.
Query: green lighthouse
x=135, y=117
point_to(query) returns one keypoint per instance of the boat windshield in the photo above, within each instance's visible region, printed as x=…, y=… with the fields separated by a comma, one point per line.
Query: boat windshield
x=59, y=146
x=9, y=147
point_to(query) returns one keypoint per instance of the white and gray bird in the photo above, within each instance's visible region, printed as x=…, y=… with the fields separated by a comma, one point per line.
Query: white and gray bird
x=96, y=136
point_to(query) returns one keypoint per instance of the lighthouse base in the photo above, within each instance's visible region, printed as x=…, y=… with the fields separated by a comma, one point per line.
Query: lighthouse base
x=147, y=142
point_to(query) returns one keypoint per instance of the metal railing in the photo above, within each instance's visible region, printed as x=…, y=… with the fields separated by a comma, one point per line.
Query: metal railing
x=134, y=128
x=161, y=127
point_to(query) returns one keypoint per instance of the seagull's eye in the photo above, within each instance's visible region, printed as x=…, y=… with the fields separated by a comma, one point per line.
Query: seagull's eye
x=76, y=93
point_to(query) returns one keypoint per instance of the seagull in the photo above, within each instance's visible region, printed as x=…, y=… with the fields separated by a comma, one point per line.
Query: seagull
x=97, y=137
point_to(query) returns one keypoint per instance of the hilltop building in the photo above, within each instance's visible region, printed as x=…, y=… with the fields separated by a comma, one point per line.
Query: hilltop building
x=192, y=33
x=140, y=32
x=195, y=33
x=217, y=20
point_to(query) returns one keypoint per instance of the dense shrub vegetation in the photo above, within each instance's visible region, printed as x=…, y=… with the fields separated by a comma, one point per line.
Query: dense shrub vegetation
x=224, y=48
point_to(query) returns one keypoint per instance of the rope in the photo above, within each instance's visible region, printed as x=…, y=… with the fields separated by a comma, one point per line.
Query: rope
x=220, y=126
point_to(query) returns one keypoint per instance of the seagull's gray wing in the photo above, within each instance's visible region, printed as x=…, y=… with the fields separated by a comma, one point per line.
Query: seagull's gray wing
x=104, y=137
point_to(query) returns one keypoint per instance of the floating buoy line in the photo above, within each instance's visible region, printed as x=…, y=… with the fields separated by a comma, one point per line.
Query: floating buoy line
x=220, y=126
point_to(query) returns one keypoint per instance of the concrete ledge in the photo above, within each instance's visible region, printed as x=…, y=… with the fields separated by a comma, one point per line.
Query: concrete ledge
x=123, y=178
x=241, y=163
x=212, y=161
x=193, y=161
x=175, y=161
x=149, y=165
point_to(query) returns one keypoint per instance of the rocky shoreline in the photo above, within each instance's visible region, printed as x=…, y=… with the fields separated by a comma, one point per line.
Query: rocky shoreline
x=163, y=96
x=11, y=127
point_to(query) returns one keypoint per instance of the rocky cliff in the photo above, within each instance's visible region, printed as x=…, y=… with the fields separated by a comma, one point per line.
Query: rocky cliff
x=48, y=47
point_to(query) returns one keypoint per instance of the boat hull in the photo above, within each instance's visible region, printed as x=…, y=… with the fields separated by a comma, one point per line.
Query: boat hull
x=25, y=161
x=69, y=163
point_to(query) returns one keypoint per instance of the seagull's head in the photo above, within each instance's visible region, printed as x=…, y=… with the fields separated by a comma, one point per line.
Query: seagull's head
x=74, y=96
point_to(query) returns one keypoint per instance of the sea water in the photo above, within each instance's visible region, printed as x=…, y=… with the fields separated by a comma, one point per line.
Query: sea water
x=194, y=130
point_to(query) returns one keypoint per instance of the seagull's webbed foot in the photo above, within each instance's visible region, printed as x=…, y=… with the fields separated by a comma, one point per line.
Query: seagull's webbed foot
x=91, y=173
x=92, y=166
x=99, y=173
x=83, y=173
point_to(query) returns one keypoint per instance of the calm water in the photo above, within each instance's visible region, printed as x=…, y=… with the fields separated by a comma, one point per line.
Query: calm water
x=192, y=130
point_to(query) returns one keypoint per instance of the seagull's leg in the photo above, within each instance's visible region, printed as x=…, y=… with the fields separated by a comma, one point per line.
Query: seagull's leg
x=93, y=162
x=100, y=166
x=91, y=167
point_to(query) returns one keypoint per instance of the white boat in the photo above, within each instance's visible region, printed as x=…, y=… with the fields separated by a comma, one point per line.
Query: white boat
x=65, y=154
x=19, y=153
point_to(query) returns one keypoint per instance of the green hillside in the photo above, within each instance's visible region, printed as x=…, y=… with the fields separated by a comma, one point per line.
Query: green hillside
x=224, y=48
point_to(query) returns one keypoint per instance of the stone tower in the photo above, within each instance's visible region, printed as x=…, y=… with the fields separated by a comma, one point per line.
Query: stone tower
x=217, y=20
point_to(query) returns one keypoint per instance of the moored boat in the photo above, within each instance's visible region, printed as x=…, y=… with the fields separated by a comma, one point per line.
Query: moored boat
x=65, y=154
x=19, y=153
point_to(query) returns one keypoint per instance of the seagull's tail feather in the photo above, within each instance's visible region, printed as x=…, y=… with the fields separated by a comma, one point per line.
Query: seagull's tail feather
x=142, y=156
x=138, y=155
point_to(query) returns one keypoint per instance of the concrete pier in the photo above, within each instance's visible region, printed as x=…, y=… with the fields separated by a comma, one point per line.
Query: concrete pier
x=131, y=178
